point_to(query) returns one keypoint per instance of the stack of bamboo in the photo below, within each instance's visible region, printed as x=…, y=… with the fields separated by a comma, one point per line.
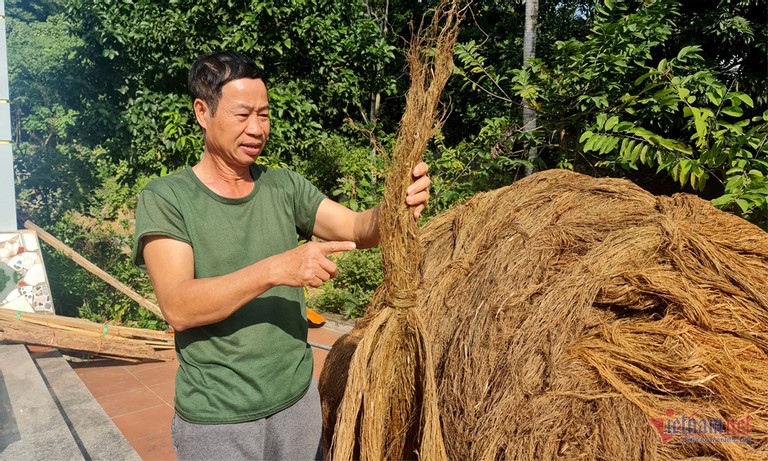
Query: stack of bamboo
x=81, y=335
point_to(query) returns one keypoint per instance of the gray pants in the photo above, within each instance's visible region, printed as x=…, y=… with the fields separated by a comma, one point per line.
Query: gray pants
x=294, y=434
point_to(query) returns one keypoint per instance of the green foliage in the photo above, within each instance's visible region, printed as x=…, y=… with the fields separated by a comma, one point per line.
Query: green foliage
x=733, y=35
x=350, y=292
x=483, y=162
x=481, y=145
x=606, y=106
x=293, y=108
x=351, y=174
x=52, y=180
x=360, y=182
x=499, y=146
x=346, y=169
x=31, y=10
x=714, y=140
x=52, y=170
x=78, y=292
x=316, y=54
x=40, y=62
x=579, y=78
x=161, y=127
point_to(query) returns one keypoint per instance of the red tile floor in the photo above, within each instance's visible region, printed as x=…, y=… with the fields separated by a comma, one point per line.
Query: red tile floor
x=139, y=397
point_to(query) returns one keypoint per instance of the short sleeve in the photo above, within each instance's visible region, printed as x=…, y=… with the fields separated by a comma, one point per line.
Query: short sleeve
x=306, y=201
x=156, y=215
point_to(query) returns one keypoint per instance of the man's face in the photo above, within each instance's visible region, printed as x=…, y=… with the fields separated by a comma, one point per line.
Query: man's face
x=238, y=132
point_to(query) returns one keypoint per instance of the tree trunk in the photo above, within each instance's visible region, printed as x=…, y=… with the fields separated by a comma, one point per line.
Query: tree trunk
x=529, y=52
x=382, y=17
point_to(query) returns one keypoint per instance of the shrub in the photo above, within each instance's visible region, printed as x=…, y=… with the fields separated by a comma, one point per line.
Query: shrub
x=350, y=292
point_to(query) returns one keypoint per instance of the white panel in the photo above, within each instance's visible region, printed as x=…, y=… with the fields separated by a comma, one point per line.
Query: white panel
x=5, y=121
x=3, y=62
x=7, y=191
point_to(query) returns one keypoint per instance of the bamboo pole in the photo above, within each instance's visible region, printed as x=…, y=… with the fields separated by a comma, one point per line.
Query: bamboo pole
x=93, y=269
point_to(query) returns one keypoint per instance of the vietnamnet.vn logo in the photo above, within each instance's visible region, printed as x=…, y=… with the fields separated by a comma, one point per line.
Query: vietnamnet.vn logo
x=694, y=429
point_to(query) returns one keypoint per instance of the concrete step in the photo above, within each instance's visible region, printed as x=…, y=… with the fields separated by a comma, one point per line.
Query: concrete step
x=47, y=413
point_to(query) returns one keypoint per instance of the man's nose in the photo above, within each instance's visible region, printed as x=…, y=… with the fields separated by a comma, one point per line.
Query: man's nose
x=255, y=125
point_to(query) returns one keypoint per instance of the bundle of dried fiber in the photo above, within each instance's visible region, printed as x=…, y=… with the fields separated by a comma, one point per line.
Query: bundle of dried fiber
x=389, y=406
x=581, y=318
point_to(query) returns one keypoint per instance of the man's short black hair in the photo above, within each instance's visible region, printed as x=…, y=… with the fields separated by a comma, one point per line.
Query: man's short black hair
x=212, y=71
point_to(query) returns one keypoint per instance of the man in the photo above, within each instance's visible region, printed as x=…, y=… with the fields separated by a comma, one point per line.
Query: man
x=219, y=243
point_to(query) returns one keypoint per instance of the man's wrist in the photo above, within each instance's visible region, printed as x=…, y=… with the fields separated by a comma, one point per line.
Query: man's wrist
x=270, y=272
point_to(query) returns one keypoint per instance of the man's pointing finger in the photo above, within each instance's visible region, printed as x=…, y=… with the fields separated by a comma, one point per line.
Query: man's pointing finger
x=335, y=247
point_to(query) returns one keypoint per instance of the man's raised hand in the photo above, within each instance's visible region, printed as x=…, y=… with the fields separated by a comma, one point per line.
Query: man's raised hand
x=417, y=194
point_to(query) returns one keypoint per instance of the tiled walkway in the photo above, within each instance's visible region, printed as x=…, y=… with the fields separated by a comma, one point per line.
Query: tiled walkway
x=139, y=397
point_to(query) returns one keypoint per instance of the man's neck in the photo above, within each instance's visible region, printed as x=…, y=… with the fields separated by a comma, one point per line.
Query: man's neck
x=223, y=179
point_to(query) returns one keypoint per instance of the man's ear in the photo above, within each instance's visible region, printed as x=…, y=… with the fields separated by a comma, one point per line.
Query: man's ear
x=202, y=112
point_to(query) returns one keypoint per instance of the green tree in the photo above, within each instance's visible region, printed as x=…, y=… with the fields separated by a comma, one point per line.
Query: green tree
x=320, y=59
x=60, y=172
x=480, y=146
x=529, y=52
x=54, y=170
x=610, y=105
x=733, y=36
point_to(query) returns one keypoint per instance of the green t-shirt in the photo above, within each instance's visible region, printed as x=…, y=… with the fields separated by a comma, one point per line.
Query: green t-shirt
x=256, y=362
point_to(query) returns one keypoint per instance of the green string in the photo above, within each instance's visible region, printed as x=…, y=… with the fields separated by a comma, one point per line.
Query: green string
x=104, y=331
x=18, y=315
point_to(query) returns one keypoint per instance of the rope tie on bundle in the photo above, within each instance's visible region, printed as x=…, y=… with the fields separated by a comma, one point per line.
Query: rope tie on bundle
x=401, y=299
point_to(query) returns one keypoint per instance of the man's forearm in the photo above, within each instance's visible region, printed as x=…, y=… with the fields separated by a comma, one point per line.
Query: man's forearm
x=189, y=302
x=197, y=302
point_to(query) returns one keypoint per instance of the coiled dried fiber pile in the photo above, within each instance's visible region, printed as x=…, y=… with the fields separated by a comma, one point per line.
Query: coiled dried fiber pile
x=565, y=311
